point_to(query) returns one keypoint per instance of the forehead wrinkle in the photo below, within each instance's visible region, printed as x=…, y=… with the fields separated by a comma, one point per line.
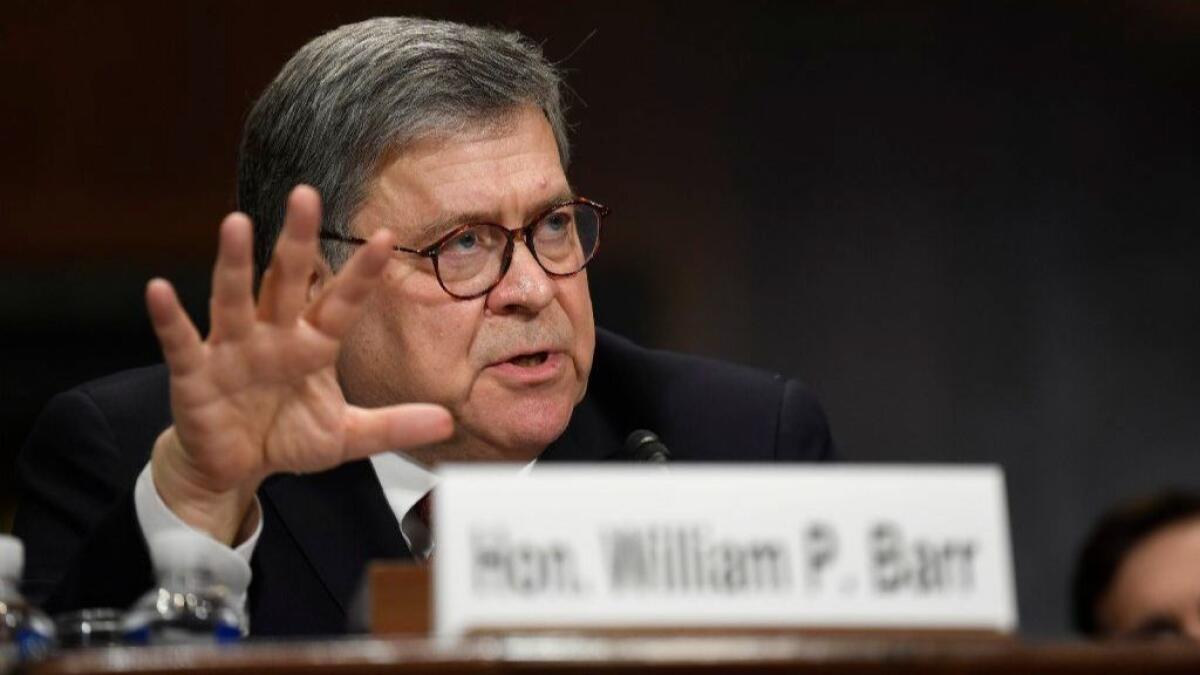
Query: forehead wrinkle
x=448, y=219
x=490, y=173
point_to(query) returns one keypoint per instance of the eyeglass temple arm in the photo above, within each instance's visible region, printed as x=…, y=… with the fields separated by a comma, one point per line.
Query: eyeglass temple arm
x=356, y=241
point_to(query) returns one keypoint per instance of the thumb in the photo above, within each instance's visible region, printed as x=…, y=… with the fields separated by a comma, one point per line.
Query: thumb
x=374, y=430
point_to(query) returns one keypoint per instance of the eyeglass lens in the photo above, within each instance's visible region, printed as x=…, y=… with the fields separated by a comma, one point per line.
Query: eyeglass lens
x=562, y=241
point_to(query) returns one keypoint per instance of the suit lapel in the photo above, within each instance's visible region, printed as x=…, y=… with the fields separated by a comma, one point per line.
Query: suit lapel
x=340, y=520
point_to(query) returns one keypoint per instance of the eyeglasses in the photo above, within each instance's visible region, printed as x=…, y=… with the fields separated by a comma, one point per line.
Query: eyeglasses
x=471, y=260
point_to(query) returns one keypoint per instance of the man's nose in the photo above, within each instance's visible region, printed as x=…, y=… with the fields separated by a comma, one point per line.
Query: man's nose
x=525, y=287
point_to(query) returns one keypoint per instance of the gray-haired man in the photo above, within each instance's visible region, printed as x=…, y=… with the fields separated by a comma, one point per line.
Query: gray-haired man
x=445, y=311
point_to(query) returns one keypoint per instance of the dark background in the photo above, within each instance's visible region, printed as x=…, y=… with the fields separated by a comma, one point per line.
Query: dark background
x=971, y=227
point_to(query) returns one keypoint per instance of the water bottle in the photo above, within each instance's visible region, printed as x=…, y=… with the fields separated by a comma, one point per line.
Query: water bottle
x=192, y=604
x=92, y=627
x=25, y=632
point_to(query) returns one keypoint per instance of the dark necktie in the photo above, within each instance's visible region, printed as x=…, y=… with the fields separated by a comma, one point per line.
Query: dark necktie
x=424, y=510
x=422, y=542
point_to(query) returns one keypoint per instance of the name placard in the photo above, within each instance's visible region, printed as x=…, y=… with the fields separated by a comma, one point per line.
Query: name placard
x=758, y=546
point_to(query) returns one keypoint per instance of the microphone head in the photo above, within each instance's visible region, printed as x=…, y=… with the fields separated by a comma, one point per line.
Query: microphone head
x=639, y=438
x=645, y=446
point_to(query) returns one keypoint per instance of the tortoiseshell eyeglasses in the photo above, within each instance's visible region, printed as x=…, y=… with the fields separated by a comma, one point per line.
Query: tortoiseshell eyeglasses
x=471, y=260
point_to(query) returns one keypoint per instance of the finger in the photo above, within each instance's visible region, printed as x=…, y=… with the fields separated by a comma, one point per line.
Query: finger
x=408, y=425
x=284, y=289
x=341, y=301
x=231, y=307
x=181, y=346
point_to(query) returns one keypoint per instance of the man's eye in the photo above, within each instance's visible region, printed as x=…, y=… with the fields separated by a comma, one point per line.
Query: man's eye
x=557, y=222
x=469, y=241
x=464, y=242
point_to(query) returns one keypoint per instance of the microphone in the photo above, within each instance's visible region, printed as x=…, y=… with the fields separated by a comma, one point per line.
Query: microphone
x=645, y=446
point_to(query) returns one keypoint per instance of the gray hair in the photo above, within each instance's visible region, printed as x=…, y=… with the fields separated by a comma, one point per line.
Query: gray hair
x=365, y=91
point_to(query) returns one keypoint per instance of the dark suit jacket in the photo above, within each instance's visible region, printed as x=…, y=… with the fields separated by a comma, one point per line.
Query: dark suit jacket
x=77, y=469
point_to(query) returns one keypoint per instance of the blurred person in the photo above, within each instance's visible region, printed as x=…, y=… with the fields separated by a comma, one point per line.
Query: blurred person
x=1138, y=574
x=403, y=286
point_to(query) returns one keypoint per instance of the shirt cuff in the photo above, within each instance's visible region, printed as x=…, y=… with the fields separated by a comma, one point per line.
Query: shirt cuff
x=232, y=565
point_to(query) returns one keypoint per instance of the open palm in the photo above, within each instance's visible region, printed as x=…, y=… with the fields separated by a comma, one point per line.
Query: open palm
x=260, y=394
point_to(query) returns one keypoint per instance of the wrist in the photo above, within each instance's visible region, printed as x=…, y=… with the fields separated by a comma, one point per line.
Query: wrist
x=228, y=516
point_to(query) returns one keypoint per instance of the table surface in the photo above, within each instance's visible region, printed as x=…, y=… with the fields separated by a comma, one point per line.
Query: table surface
x=598, y=654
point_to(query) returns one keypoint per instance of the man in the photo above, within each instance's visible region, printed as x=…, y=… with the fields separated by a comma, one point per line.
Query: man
x=447, y=315
x=1136, y=575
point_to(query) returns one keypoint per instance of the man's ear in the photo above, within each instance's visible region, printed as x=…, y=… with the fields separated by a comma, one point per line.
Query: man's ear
x=321, y=275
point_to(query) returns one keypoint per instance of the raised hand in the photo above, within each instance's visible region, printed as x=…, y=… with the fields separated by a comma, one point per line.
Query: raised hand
x=260, y=394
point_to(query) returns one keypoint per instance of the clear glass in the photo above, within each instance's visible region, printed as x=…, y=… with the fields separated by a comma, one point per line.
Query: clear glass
x=25, y=631
x=187, y=608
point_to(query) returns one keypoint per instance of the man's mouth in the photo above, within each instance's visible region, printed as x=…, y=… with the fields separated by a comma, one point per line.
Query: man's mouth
x=529, y=360
x=531, y=368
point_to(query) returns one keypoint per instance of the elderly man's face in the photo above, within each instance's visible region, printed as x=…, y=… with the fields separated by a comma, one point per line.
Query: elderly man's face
x=1156, y=591
x=510, y=366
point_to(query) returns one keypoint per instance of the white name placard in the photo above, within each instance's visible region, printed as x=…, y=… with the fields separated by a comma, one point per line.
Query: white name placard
x=620, y=546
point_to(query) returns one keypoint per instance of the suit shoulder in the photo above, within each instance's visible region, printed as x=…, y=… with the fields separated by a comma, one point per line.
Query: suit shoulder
x=128, y=385
x=76, y=473
x=677, y=370
x=713, y=410
x=127, y=409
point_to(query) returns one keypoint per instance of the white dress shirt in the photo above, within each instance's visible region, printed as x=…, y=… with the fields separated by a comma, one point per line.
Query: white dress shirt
x=404, y=484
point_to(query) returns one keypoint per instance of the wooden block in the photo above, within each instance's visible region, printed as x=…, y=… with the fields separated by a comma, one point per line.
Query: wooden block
x=400, y=599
